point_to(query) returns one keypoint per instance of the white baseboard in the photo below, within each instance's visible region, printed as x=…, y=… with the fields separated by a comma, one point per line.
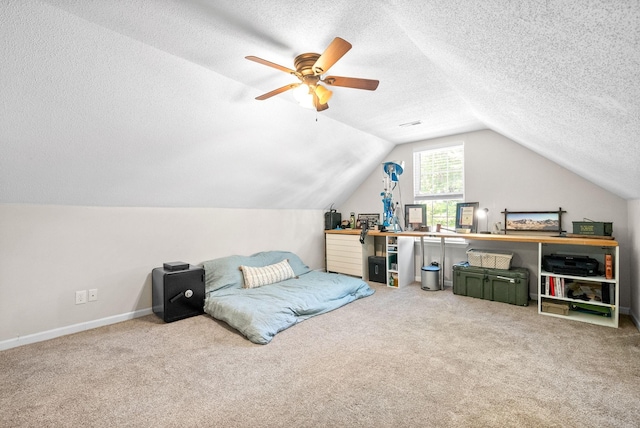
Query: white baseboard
x=634, y=319
x=75, y=328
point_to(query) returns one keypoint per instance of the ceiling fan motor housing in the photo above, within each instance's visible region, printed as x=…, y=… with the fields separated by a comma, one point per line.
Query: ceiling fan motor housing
x=304, y=64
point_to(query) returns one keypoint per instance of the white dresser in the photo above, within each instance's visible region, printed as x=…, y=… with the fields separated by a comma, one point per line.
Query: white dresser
x=345, y=254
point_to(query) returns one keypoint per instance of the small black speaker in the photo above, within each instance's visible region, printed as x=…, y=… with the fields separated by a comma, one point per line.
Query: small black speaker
x=332, y=220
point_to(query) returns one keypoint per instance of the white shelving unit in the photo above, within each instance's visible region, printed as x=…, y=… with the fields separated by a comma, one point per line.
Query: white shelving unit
x=400, y=264
x=599, y=281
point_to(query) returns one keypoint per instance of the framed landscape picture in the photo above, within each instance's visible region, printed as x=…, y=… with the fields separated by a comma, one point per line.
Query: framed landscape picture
x=533, y=221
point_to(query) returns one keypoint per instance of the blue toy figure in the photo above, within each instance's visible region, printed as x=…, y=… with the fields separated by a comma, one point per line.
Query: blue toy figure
x=393, y=169
x=387, y=213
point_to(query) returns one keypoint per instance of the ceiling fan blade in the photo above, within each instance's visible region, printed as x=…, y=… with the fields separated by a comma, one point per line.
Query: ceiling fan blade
x=352, y=82
x=271, y=64
x=277, y=91
x=316, y=103
x=331, y=55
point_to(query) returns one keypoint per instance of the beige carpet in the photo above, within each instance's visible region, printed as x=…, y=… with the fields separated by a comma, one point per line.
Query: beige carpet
x=400, y=358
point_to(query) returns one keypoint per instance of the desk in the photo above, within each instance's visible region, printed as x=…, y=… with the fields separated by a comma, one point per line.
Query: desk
x=443, y=236
x=597, y=248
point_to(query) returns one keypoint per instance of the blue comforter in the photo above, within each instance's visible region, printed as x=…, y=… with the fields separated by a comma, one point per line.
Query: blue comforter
x=260, y=313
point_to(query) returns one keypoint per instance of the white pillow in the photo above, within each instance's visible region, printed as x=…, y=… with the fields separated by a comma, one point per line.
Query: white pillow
x=258, y=276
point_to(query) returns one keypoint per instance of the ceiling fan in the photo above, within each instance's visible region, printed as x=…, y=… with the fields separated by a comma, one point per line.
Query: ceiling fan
x=310, y=68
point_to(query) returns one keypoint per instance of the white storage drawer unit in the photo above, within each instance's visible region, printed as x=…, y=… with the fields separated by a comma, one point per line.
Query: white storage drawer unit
x=345, y=254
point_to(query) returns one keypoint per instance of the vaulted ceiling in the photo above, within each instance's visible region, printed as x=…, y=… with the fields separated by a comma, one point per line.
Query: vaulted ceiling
x=151, y=102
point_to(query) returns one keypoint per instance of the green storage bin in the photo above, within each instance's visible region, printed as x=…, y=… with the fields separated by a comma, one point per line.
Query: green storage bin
x=500, y=285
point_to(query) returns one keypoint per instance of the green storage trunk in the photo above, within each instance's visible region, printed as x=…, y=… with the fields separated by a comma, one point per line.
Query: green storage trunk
x=500, y=285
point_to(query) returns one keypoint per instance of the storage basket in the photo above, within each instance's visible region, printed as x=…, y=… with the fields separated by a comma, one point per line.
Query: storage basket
x=493, y=259
x=555, y=308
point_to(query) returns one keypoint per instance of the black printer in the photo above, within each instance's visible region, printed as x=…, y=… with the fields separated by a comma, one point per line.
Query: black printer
x=570, y=265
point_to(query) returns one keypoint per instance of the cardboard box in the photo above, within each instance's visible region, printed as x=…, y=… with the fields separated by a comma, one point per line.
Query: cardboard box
x=555, y=308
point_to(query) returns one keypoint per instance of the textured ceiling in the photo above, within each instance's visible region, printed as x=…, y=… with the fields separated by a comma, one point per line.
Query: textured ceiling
x=151, y=103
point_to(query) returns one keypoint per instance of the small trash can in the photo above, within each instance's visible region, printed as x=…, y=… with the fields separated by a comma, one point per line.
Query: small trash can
x=430, y=277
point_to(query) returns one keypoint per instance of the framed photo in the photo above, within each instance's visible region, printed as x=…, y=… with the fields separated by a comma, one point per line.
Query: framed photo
x=415, y=216
x=533, y=221
x=371, y=220
x=466, y=217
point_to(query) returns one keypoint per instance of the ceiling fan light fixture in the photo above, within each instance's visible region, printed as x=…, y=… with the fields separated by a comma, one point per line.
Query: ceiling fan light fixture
x=304, y=96
x=324, y=95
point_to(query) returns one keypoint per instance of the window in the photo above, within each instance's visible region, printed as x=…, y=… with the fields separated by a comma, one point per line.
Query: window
x=439, y=183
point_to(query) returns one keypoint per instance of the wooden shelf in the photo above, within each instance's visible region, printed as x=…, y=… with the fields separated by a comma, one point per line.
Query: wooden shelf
x=491, y=237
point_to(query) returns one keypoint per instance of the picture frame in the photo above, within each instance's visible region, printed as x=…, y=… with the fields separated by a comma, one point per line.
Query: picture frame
x=466, y=220
x=415, y=216
x=533, y=221
x=371, y=220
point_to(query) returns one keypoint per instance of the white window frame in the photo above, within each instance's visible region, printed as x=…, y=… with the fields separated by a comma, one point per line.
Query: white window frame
x=422, y=198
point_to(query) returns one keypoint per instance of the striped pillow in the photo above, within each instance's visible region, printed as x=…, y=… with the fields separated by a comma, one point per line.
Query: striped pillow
x=258, y=276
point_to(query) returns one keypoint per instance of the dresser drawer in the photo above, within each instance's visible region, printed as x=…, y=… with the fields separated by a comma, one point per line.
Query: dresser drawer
x=345, y=254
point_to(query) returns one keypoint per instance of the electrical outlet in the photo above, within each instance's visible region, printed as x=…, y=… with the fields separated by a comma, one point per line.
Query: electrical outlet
x=93, y=294
x=81, y=297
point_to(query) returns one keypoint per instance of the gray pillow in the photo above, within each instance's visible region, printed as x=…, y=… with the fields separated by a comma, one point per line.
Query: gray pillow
x=225, y=272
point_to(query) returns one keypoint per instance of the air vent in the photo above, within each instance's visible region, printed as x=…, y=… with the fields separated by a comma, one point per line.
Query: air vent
x=414, y=123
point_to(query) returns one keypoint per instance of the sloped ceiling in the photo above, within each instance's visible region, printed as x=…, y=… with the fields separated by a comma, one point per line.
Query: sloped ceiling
x=151, y=103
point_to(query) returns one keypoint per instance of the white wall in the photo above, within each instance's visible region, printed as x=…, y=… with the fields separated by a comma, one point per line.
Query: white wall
x=499, y=174
x=634, y=257
x=49, y=252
